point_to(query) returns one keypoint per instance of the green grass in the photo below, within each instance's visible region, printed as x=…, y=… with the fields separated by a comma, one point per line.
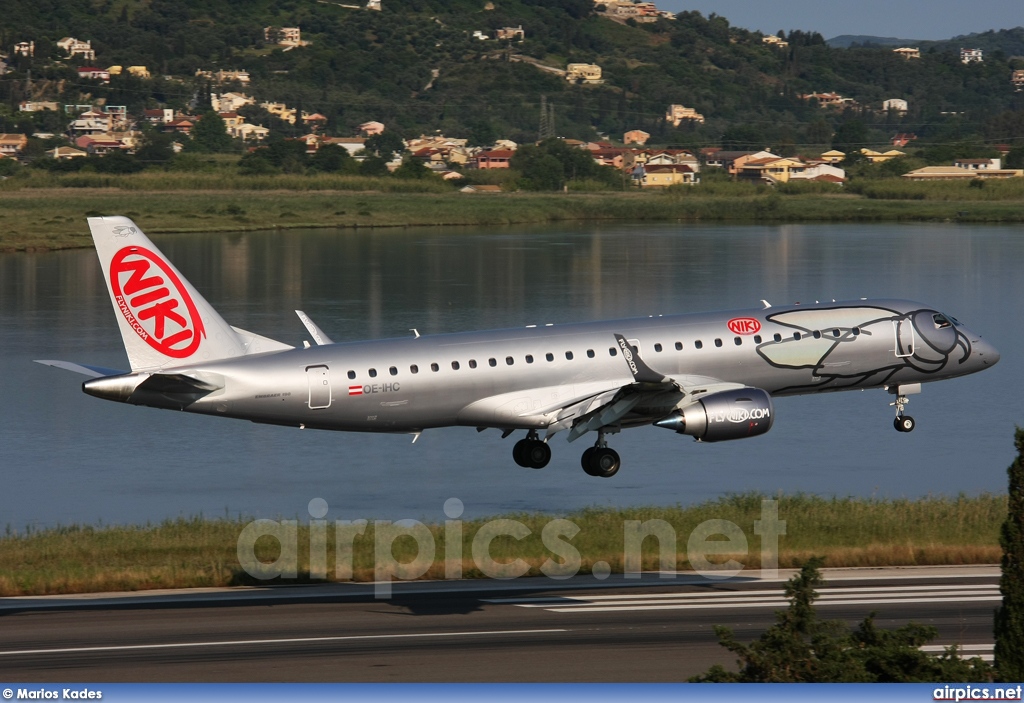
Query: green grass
x=198, y=552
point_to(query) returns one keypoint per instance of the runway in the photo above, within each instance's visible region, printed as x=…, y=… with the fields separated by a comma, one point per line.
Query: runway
x=517, y=631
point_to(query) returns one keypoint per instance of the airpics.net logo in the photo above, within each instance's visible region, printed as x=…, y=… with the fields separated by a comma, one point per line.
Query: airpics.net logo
x=711, y=547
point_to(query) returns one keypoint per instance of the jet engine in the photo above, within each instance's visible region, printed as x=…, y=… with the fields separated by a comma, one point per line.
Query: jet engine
x=735, y=414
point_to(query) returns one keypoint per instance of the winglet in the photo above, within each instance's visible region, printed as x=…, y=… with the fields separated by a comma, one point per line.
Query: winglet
x=642, y=373
x=318, y=334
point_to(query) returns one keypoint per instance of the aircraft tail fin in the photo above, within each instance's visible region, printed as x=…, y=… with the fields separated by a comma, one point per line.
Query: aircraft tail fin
x=164, y=321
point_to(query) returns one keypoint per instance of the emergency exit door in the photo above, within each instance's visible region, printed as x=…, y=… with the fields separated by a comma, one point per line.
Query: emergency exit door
x=319, y=378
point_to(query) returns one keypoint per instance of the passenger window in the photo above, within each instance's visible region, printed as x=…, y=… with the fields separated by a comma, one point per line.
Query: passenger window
x=679, y=346
x=590, y=353
x=568, y=355
x=796, y=335
x=472, y=363
x=777, y=337
x=816, y=334
x=549, y=356
x=657, y=347
x=393, y=371
x=492, y=362
x=529, y=358
x=435, y=367
x=757, y=339
x=718, y=342
x=414, y=369
x=856, y=331
x=509, y=360
x=455, y=366
x=738, y=341
x=698, y=344
x=636, y=349
x=373, y=373
x=351, y=374
x=612, y=351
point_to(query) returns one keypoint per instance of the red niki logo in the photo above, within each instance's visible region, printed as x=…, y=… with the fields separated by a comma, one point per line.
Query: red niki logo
x=156, y=304
x=744, y=325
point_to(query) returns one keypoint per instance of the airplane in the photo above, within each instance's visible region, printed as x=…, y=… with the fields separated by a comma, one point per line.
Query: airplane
x=711, y=376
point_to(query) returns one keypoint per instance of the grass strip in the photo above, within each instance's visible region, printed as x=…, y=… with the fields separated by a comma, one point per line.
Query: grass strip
x=198, y=552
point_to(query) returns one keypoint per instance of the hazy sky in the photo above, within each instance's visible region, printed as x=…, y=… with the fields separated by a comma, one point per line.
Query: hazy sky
x=907, y=19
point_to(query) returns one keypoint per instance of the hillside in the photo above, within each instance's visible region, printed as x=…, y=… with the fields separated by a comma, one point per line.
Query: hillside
x=362, y=65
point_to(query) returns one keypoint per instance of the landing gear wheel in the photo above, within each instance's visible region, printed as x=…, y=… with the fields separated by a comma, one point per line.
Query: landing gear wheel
x=603, y=462
x=905, y=423
x=531, y=453
x=585, y=461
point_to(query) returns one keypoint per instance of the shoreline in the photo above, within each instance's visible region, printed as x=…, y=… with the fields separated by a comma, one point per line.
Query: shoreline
x=48, y=219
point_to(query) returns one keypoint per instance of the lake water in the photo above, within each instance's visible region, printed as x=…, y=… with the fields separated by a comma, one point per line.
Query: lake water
x=66, y=457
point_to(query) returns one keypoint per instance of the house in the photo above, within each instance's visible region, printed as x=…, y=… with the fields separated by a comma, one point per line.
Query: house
x=479, y=34
x=742, y=158
x=979, y=164
x=775, y=169
x=232, y=121
x=373, y=5
x=583, y=73
x=971, y=56
x=25, y=48
x=180, y=125
x=158, y=115
x=903, y=138
x=280, y=110
x=679, y=113
x=480, y=189
x=315, y=121
x=896, y=105
x=1017, y=78
x=352, y=145
x=37, y=106
x=775, y=41
x=252, y=133
x=103, y=146
x=138, y=71
x=609, y=157
x=223, y=76
x=833, y=156
x=953, y=173
x=73, y=47
x=510, y=34
x=448, y=175
x=493, y=158
x=829, y=99
x=666, y=175
x=635, y=136
x=91, y=122
x=230, y=102
x=95, y=74
x=825, y=173
x=876, y=157
x=66, y=153
x=371, y=128
x=289, y=37
x=907, y=53
x=12, y=144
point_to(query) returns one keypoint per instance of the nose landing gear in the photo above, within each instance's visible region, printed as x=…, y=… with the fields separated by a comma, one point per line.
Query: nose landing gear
x=531, y=452
x=902, y=423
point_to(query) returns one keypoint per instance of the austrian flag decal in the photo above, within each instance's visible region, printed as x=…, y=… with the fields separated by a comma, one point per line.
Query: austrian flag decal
x=155, y=302
x=355, y=390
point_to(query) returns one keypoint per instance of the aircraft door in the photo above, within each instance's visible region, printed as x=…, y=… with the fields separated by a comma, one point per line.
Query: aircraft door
x=319, y=380
x=903, y=330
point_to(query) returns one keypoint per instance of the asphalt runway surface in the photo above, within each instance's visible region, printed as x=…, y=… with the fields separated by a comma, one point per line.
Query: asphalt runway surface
x=527, y=630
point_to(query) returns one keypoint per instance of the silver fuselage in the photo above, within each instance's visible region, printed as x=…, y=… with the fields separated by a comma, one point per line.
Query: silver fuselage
x=519, y=378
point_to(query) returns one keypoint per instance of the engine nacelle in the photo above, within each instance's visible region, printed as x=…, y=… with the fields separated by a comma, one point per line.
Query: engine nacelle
x=735, y=414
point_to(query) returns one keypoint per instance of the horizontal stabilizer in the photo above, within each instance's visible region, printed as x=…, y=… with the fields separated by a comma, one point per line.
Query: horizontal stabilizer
x=84, y=369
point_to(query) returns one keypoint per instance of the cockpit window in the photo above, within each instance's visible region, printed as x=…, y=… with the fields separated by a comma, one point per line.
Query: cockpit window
x=941, y=321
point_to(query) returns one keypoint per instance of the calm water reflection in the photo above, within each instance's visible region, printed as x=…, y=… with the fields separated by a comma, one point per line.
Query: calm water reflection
x=66, y=457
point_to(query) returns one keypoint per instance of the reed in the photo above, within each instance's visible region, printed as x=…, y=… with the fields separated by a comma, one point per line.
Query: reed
x=197, y=552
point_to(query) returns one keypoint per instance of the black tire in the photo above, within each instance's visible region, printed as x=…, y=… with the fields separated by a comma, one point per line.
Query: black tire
x=604, y=462
x=520, y=452
x=898, y=424
x=907, y=424
x=537, y=454
x=585, y=461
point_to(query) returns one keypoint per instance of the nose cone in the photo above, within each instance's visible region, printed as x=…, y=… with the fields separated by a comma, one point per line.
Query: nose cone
x=987, y=354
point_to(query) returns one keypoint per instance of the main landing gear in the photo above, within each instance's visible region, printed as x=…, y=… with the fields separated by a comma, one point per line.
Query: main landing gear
x=531, y=452
x=902, y=423
x=600, y=460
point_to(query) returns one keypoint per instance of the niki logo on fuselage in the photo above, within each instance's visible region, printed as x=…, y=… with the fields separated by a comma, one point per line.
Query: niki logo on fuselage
x=155, y=303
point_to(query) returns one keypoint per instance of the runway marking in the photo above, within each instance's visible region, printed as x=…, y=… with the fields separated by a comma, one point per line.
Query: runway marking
x=294, y=640
x=754, y=599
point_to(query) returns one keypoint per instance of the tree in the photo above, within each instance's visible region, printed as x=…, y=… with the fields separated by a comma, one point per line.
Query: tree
x=800, y=647
x=412, y=168
x=210, y=134
x=331, y=158
x=850, y=136
x=385, y=144
x=1009, y=620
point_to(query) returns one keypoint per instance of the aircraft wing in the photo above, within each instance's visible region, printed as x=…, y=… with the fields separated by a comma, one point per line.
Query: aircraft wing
x=85, y=370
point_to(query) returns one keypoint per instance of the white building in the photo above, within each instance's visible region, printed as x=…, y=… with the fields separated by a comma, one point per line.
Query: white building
x=971, y=56
x=896, y=104
x=74, y=47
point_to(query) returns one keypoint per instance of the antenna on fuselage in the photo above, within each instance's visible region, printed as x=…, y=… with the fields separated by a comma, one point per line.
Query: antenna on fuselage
x=417, y=333
x=765, y=303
